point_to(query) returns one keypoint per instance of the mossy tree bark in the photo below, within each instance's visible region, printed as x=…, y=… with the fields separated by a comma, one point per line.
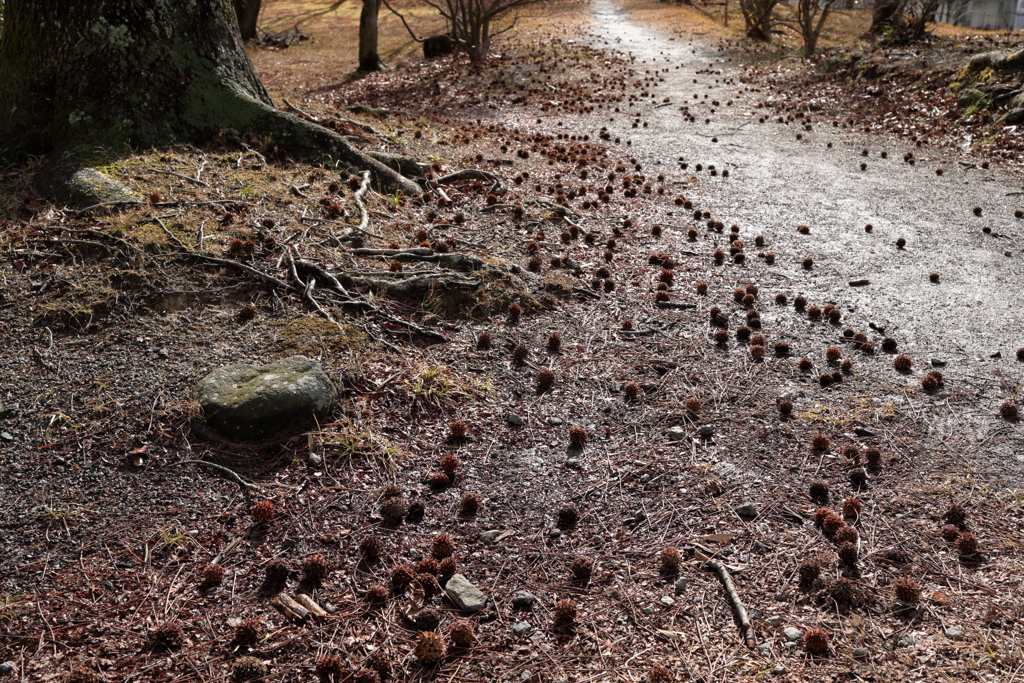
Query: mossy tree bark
x=83, y=79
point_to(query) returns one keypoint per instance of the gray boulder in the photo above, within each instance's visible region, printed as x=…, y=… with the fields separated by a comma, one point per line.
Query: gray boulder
x=464, y=594
x=248, y=402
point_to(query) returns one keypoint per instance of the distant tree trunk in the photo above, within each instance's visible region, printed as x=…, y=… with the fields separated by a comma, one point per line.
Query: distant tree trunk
x=758, y=16
x=81, y=79
x=369, y=59
x=248, y=13
x=884, y=15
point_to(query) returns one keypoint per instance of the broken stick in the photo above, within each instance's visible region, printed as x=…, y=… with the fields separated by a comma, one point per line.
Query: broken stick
x=746, y=628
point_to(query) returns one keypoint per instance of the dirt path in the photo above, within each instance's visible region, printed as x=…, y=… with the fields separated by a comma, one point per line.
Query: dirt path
x=782, y=176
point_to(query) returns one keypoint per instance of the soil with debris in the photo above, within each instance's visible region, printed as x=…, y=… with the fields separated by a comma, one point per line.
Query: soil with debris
x=581, y=373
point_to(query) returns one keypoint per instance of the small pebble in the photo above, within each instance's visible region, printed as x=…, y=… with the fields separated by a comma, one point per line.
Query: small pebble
x=860, y=653
x=6, y=668
x=667, y=601
x=676, y=434
x=314, y=460
x=648, y=610
x=707, y=431
x=937, y=363
x=680, y=586
x=779, y=670
x=954, y=633
x=514, y=420
x=792, y=634
x=773, y=621
x=555, y=533
x=521, y=628
x=747, y=511
x=555, y=421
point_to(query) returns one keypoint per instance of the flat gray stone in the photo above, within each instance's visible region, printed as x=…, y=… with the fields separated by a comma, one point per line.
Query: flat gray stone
x=667, y=601
x=792, y=633
x=6, y=668
x=248, y=402
x=680, y=586
x=861, y=653
x=773, y=621
x=707, y=431
x=521, y=628
x=676, y=434
x=954, y=633
x=514, y=420
x=555, y=421
x=648, y=610
x=464, y=594
x=523, y=600
x=490, y=536
x=554, y=533
x=779, y=670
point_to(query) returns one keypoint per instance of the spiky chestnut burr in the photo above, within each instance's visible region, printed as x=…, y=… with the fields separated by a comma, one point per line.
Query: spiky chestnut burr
x=263, y=512
x=430, y=647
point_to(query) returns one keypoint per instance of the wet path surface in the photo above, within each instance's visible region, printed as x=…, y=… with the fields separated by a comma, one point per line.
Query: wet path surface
x=777, y=182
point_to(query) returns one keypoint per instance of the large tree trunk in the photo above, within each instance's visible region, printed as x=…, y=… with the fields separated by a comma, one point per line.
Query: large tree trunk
x=369, y=59
x=248, y=13
x=80, y=79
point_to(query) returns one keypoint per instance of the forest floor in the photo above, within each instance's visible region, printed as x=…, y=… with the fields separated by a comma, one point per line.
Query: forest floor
x=630, y=137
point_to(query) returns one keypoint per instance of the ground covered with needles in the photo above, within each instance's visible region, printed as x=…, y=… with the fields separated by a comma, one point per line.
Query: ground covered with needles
x=618, y=411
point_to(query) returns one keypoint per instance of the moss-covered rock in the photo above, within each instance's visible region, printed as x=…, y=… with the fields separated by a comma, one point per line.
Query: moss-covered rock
x=249, y=403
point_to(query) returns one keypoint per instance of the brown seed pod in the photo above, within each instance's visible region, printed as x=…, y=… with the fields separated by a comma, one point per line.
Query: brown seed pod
x=484, y=340
x=248, y=632
x=832, y=524
x=820, y=442
x=833, y=354
x=315, y=568
x=805, y=364
x=263, y=512
x=846, y=365
x=568, y=516
x=906, y=590
x=847, y=553
x=430, y=647
x=816, y=641
x=430, y=586
x=781, y=299
x=577, y=436
x=566, y=612
x=462, y=633
x=807, y=263
x=545, y=379
x=442, y=546
x=376, y=595
x=818, y=491
x=631, y=390
x=693, y=404
x=967, y=544
x=469, y=505
x=757, y=351
x=873, y=456
x=1009, y=410
x=842, y=591
x=800, y=303
x=428, y=565
x=457, y=429
x=369, y=547
x=846, y=535
x=402, y=576
x=813, y=312
x=277, y=571
x=166, y=637
x=440, y=480
x=950, y=532
x=702, y=287
x=252, y=669
x=446, y=569
x=902, y=363
x=851, y=507
x=809, y=571
x=956, y=514
x=858, y=478
x=720, y=336
x=781, y=348
x=785, y=406
x=515, y=312
x=366, y=676
x=555, y=342
x=670, y=558
x=581, y=569
x=769, y=258
x=519, y=355
x=627, y=324
x=660, y=674
x=450, y=463
x=213, y=575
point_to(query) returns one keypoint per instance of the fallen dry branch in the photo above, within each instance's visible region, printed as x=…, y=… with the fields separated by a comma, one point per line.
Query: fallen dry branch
x=473, y=174
x=746, y=628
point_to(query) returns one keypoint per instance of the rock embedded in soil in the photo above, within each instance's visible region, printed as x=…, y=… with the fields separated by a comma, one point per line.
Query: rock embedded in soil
x=747, y=511
x=523, y=600
x=954, y=633
x=6, y=668
x=680, y=586
x=247, y=402
x=792, y=634
x=464, y=594
x=514, y=420
x=676, y=434
x=521, y=628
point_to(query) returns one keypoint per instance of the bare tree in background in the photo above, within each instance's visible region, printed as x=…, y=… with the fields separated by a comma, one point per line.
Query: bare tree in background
x=902, y=21
x=472, y=23
x=758, y=18
x=369, y=58
x=810, y=19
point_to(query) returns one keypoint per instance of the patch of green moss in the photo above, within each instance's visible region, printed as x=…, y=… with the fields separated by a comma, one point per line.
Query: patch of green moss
x=315, y=337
